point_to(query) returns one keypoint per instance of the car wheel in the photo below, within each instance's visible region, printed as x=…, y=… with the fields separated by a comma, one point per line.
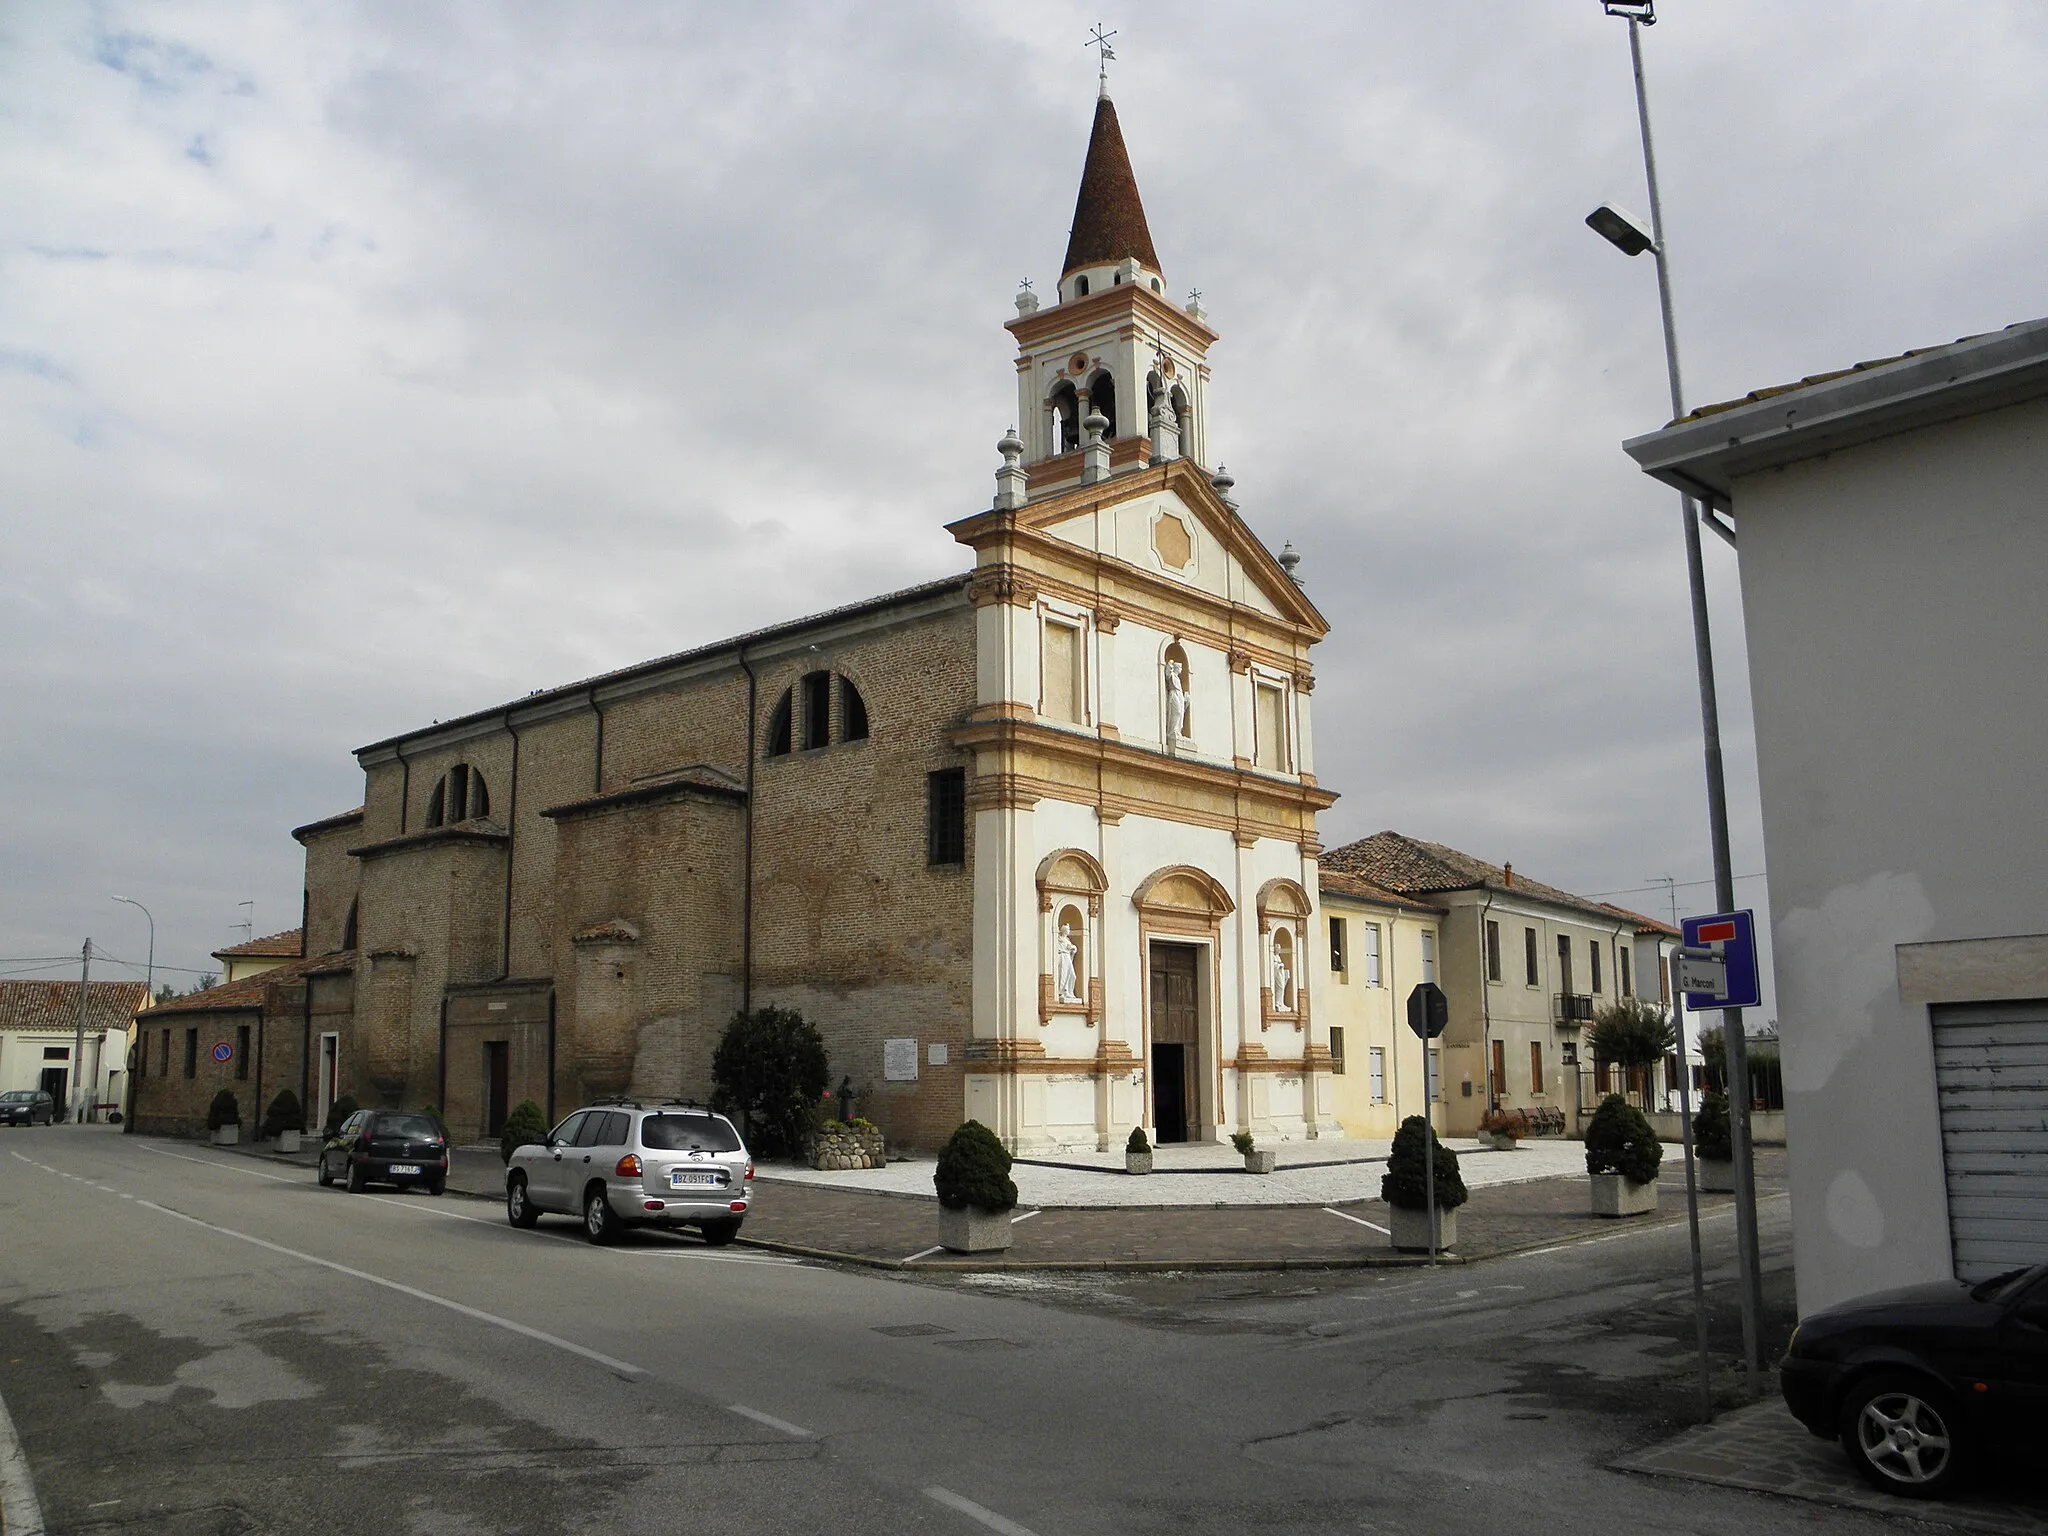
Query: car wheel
x=326, y=1179
x=519, y=1207
x=356, y=1182
x=437, y=1186
x=718, y=1233
x=599, y=1224
x=1902, y=1434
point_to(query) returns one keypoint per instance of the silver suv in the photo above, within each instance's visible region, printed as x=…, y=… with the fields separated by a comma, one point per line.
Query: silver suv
x=622, y=1163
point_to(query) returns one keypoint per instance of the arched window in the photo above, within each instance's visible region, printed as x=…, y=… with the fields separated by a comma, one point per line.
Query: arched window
x=1080, y=287
x=817, y=690
x=778, y=742
x=1102, y=398
x=460, y=796
x=1066, y=418
x=853, y=712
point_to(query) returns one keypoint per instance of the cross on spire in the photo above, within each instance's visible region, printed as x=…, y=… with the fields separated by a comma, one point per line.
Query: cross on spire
x=1099, y=40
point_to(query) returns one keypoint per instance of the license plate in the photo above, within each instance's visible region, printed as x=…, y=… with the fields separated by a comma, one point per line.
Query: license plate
x=405, y=1167
x=678, y=1179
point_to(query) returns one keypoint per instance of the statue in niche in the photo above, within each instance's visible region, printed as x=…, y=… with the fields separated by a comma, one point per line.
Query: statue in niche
x=1176, y=703
x=1066, y=987
x=1283, y=980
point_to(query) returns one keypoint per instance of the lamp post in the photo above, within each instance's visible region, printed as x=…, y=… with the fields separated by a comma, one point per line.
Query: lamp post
x=1629, y=237
x=149, y=990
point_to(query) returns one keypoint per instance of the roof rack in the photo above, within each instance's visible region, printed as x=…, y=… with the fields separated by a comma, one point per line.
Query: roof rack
x=686, y=1104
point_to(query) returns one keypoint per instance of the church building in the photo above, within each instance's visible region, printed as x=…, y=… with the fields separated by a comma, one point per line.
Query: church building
x=1034, y=844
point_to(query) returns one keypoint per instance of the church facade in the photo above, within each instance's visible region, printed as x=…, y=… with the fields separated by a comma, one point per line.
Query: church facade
x=1034, y=844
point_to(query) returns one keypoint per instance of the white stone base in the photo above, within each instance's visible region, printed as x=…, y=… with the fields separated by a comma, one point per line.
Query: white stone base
x=1137, y=1162
x=287, y=1141
x=1261, y=1161
x=1716, y=1175
x=973, y=1230
x=1614, y=1195
x=227, y=1136
x=1411, y=1230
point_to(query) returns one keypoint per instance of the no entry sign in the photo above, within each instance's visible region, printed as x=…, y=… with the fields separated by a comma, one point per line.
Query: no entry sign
x=1732, y=936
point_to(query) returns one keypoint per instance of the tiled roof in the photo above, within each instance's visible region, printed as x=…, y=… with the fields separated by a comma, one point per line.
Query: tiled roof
x=1840, y=373
x=247, y=994
x=328, y=823
x=1415, y=867
x=1109, y=220
x=1336, y=882
x=54, y=1004
x=1643, y=924
x=274, y=946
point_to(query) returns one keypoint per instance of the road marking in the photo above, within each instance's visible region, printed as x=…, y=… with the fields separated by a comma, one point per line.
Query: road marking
x=924, y=1253
x=1025, y=1217
x=20, y=1515
x=974, y=1511
x=214, y=1162
x=771, y=1421
x=1344, y=1216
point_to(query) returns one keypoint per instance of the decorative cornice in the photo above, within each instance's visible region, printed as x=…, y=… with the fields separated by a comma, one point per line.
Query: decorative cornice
x=484, y=834
x=1002, y=582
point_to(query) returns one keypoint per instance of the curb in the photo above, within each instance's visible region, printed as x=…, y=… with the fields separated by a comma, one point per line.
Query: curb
x=966, y=1265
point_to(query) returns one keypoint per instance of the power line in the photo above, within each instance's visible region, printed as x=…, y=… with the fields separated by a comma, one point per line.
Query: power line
x=1661, y=885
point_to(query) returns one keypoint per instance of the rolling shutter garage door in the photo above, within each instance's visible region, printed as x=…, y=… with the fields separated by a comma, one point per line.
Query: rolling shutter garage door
x=1991, y=1074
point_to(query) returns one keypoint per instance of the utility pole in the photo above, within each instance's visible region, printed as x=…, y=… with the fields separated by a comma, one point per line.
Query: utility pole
x=77, y=1104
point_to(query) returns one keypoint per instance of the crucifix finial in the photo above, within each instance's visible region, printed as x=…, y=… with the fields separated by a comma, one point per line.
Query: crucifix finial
x=1099, y=40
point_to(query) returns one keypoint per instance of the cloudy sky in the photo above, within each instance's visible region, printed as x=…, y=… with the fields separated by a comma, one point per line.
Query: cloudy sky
x=363, y=365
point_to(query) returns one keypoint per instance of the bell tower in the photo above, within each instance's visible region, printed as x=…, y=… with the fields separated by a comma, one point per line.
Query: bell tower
x=1111, y=376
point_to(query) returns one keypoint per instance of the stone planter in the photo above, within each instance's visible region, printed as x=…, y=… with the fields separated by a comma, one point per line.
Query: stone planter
x=1137, y=1162
x=1411, y=1230
x=1260, y=1162
x=973, y=1230
x=287, y=1141
x=1614, y=1195
x=840, y=1147
x=227, y=1136
x=1502, y=1141
x=1716, y=1175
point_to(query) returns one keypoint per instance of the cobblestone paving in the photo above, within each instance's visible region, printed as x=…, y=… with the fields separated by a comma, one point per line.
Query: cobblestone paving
x=1764, y=1448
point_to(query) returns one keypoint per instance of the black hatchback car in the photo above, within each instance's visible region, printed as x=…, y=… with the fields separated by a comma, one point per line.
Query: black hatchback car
x=1923, y=1383
x=25, y=1106
x=381, y=1146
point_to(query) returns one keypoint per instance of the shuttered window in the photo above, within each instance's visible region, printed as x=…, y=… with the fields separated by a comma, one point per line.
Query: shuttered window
x=1991, y=1079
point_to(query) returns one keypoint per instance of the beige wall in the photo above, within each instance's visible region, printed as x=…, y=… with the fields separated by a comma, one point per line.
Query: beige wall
x=1374, y=1017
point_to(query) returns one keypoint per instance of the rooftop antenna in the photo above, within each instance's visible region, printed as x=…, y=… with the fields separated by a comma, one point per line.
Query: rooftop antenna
x=1099, y=39
x=248, y=924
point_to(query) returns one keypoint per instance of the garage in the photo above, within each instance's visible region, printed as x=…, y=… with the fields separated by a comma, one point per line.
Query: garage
x=1991, y=1075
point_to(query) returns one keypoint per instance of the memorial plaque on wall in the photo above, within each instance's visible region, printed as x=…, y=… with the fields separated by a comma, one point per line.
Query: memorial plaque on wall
x=899, y=1061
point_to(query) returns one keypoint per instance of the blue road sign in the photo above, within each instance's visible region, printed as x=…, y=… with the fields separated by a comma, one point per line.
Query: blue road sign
x=1732, y=936
x=223, y=1052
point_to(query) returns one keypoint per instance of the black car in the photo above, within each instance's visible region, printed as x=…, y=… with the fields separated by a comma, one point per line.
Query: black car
x=1923, y=1383
x=25, y=1106
x=381, y=1146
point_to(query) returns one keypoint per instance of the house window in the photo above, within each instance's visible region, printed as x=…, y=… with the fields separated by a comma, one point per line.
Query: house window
x=1535, y=1066
x=946, y=816
x=1492, y=950
x=1530, y=970
x=1337, y=946
x=1376, y=1065
x=779, y=723
x=56, y=1053
x=163, y=1059
x=1269, y=727
x=1429, y=955
x=1063, y=689
x=1369, y=945
x=817, y=696
x=853, y=712
x=1336, y=1050
x=1593, y=973
x=191, y=1053
x=1564, y=962
x=242, y=1053
x=1621, y=960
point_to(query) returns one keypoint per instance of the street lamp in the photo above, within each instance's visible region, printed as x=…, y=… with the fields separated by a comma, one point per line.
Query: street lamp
x=149, y=988
x=1632, y=239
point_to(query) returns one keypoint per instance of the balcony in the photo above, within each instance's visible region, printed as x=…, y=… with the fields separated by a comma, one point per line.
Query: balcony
x=1573, y=1009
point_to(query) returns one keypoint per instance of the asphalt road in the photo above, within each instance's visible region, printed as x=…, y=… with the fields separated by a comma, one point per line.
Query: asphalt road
x=190, y=1343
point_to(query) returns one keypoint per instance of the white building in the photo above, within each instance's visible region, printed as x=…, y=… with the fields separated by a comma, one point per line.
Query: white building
x=39, y=1038
x=1893, y=547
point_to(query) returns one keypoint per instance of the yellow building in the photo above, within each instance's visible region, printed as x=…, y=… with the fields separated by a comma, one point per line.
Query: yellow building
x=1377, y=945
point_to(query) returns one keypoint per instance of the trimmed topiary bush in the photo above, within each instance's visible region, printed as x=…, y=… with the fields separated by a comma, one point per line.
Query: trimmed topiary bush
x=974, y=1170
x=223, y=1111
x=1401, y=1185
x=433, y=1113
x=1713, y=1136
x=337, y=1112
x=1619, y=1140
x=526, y=1125
x=1138, y=1143
x=284, y=1114
x=770, y=1071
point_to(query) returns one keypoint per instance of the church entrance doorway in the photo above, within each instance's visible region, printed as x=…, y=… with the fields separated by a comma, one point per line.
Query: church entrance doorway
x=1176, y=1035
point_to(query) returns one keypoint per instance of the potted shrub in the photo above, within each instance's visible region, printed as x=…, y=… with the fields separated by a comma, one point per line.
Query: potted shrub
x=525, y=1126
x=337, y=1112
x=1137, y=1152
x=1622, y=1156
x=1503, y=1128
x=975, y=1192
x=1255, y=1161
x=224, y=1119
x=1408, y=1197
x=284, y=1121
x=1713, y=1145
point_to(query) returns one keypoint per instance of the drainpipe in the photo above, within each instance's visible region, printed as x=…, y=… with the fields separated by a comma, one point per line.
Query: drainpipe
x=747, y=857
x=1486, y=1007
x=404, y=788
x=441, y=1063
x=306, y=1047
x=511, y=848
x=597, y=763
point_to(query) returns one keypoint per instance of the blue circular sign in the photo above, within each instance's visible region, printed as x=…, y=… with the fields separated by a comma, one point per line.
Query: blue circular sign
x=223, y=1052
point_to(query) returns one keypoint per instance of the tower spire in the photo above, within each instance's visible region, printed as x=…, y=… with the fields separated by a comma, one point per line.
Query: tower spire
x=1109, y=218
